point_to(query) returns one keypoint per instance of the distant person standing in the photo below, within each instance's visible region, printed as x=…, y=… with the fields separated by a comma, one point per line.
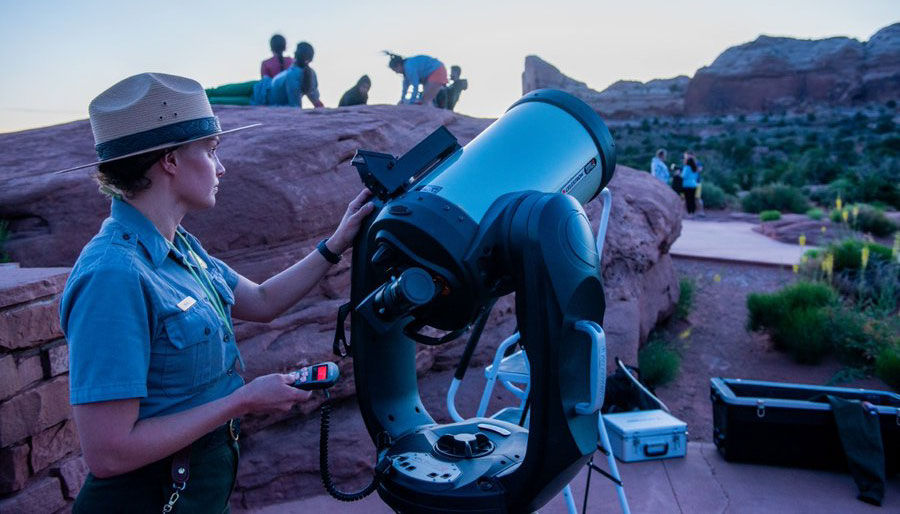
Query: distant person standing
x=291, y=85
x=699, y=194
x=658, y=167
x=689, y=178
x=419, y=70
x=278, y=62
x=358, y=94
x=449, y=94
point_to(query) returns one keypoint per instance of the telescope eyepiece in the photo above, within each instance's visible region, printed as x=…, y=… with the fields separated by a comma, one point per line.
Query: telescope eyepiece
x=414, y=288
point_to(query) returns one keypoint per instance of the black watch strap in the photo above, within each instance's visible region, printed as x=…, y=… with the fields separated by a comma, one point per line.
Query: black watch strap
x=328, y=254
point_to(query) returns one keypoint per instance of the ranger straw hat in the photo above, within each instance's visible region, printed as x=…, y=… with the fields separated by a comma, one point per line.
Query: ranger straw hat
x=149, y=112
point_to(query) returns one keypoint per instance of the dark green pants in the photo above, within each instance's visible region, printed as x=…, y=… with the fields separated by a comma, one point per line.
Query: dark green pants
x=148, y=489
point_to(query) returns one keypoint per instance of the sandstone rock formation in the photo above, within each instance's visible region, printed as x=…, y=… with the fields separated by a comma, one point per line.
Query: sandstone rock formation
x=770, y=73
x=623, y=99
x=779, y=73
x=285, y=188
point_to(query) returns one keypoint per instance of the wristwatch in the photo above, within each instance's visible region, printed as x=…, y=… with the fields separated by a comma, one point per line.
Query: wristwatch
x=328, y=254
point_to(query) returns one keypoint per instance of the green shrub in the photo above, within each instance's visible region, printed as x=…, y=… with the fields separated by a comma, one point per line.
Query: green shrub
x=769, y=216
x=713, y=196
x=872, y=220
x=658, y=363
x=848, y=253
x=858, y=337
x=804, y=334
x=815, y=214
x=794, y=318
x=685, y=298
x=887, y=366
x=777, y=197
x=867, y=219
x=767, y=309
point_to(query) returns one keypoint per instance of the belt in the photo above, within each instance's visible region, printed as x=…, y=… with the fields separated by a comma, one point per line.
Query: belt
x=181, y=460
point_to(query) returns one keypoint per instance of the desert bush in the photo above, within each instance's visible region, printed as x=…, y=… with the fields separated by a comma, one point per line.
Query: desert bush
x=686, y=288
x=848, y=253
x=713, y=196
x=859, y=335
x=871, y=182
x=815, y=214
x=868, y=218
x=769, y=216
x=887, y=366
x=804, y=334
x=777, y=197
x=871, y=219
x=658, y=363
x=766, y=310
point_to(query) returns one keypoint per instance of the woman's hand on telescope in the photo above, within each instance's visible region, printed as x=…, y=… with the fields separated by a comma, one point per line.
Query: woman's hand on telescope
x=356, y=212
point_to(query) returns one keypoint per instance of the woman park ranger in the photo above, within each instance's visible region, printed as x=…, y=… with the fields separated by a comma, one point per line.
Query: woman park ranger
x=148, y=313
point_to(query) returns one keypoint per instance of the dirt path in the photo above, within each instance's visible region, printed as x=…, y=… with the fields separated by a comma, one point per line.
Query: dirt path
x=714, y=342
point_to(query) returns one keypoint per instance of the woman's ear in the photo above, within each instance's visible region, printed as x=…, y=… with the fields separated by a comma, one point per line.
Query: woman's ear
x=169, y=162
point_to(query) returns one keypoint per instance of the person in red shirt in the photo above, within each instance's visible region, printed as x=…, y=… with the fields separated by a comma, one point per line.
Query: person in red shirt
x=278, y=62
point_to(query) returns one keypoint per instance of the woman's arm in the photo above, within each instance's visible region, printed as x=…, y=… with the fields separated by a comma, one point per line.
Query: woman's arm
x=263, y=302
x=114, y=441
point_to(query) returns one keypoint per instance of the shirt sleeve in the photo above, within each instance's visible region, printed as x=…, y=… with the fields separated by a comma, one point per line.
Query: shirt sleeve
x=106, y=320
x=313, y=85
x=230, y=276
x=292, y=88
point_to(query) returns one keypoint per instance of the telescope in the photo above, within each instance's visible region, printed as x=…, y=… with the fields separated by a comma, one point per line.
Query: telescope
x=454, y=229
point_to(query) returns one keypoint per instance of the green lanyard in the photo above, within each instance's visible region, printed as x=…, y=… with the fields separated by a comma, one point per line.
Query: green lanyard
x=205, y=283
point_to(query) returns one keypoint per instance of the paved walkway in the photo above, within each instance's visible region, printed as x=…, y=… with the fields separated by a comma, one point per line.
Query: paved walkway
x=700, y=483
x=732, y=241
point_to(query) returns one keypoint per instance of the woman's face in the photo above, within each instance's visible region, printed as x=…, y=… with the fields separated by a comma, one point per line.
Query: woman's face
x=199, y=170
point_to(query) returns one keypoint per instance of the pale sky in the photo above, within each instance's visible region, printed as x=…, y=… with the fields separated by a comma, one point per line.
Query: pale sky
x=56, y=55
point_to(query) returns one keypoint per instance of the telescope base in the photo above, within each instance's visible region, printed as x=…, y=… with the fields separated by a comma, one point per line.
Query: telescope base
x=418, y=473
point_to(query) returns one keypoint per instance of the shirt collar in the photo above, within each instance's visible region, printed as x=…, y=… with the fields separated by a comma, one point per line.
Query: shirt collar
x=147, y=235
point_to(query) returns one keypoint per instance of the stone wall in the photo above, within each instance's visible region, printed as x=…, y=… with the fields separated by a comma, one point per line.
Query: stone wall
x=41, y=469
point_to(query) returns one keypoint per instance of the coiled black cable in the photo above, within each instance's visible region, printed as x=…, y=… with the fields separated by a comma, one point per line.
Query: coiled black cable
x=327, y=481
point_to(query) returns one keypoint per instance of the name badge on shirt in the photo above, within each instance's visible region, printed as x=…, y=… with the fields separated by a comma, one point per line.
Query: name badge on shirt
x=187, y=303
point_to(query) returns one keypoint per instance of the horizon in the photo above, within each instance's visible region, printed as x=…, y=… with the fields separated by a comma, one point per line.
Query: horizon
x=227, y=44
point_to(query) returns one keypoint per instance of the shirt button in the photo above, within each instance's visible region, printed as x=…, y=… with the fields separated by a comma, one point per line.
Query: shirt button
x=206, y=331
x=230, y=371
x=126, y=236
x=227, y=337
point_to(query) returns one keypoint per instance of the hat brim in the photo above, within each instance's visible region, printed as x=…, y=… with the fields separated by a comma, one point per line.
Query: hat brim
x=159, y=147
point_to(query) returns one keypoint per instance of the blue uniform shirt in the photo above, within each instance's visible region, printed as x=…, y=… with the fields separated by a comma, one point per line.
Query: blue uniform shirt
x=140, y=326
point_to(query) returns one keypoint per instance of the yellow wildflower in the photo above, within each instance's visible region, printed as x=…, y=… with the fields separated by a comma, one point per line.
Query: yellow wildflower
x=823, y=229
x=796, y=268
x=865, y=256
x=838, y=203
x=802, y=239
x=685, y=334
x=844, y=215
x=717, y=278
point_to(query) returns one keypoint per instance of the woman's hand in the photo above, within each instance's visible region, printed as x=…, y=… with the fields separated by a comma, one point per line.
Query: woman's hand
x=356, y=212
x=271, y=393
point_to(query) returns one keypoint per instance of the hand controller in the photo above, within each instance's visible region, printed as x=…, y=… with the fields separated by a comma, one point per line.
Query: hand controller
x=317, y=376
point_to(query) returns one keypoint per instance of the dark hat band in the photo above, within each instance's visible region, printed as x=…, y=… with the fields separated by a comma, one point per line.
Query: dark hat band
x=174, y=133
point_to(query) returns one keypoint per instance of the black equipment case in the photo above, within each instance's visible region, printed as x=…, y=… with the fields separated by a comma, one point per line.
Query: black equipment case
x=792, y=424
